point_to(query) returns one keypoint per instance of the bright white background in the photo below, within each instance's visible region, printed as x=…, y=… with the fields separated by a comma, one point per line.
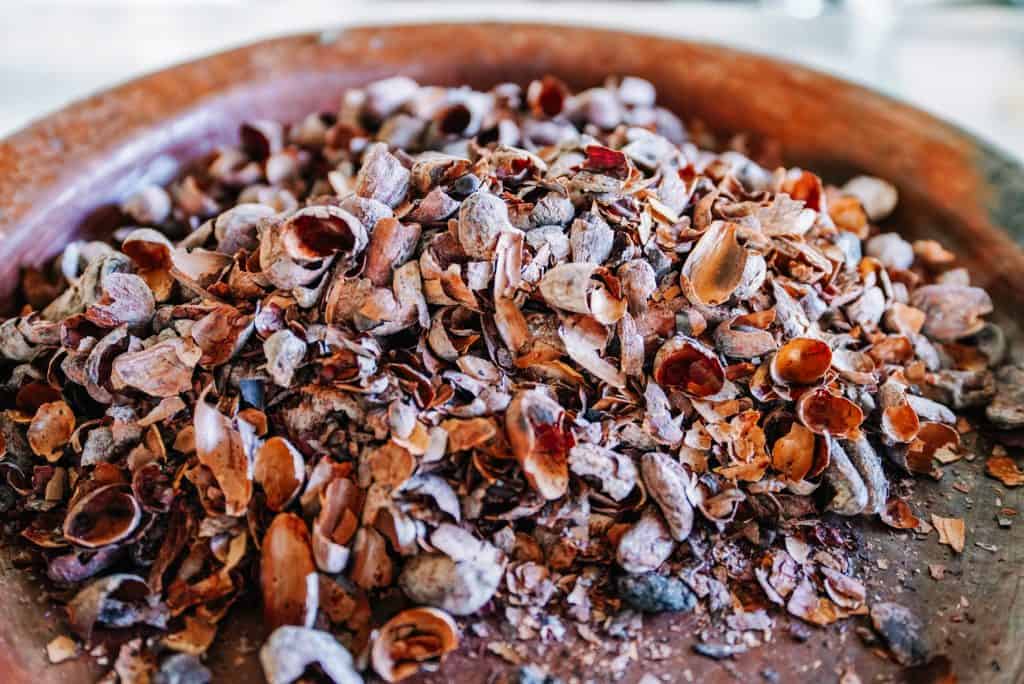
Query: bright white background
x=965, y=64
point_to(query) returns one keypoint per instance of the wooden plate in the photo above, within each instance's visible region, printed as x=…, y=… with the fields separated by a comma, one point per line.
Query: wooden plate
x=60, y=177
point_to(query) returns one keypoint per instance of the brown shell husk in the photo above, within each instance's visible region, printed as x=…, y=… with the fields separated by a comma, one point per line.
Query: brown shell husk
x=715, y=267
x=280, y=470
x=539, y=435
x=321, y=231
x=51, y=429
x=288, y=577
x=669, y=485
x=645, y=545
x=103, y=516
x=684, y=363
x=219, y=447
x=825, y=413
x=413, y=637
x=585, y=289
x=801, y=361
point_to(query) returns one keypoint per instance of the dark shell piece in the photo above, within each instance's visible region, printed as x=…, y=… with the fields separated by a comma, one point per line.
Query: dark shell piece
x=182, y=668
x=101, y=517
x=903, y=633
x=654, y=593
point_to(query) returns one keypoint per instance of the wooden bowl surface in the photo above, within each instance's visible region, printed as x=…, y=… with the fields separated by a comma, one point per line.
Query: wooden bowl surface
x=60, y=177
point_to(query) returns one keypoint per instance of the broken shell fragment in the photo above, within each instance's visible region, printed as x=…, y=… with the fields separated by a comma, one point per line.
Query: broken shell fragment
x=824, y=413
x=645, y=545
x=668, y=484
x=320, y=231
x=931, y=438
x=869, y=466
x=104, y=516
x=163, y=370
x=737, y=339
x=1004, y=469
x=150, y=252
x=684, y=363
x=118, y=601
x=897, y=515
x=891, y=250
x=288, y=576
x=237, y=228
x=638, y=283
x=372, y=567
x=336, y=524
x=279, y=470
x=219, y=447
x=801, y=361
x=290, y=650
x=261, y=138
x=285, y=352
x=547, y=96
x=793, y=453
x=51, y=429
x=584, y=289
x=221, y=334
x=461, y=579
x=126, y=300
x=149, y=206
x=900, y=422
x=583, y=344
x=877, y=196
x=715, y=267
x=538, y=432
x=483, y=217
x=850, y=495
x=391, y=244
x=382, y=176
x=410, y=639
x=615, y=473
x=951, y=311
x=805, y=604
x=78, y=566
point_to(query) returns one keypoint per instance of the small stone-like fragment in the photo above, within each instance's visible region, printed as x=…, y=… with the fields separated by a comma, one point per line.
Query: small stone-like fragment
x=654, y=593
x=903, y=633
x=61, y=648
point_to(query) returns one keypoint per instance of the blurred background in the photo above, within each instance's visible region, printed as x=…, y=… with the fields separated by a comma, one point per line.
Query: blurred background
x=963, y=61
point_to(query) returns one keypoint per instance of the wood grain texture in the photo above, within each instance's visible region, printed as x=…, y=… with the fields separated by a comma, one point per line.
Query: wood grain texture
x=58, y=175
